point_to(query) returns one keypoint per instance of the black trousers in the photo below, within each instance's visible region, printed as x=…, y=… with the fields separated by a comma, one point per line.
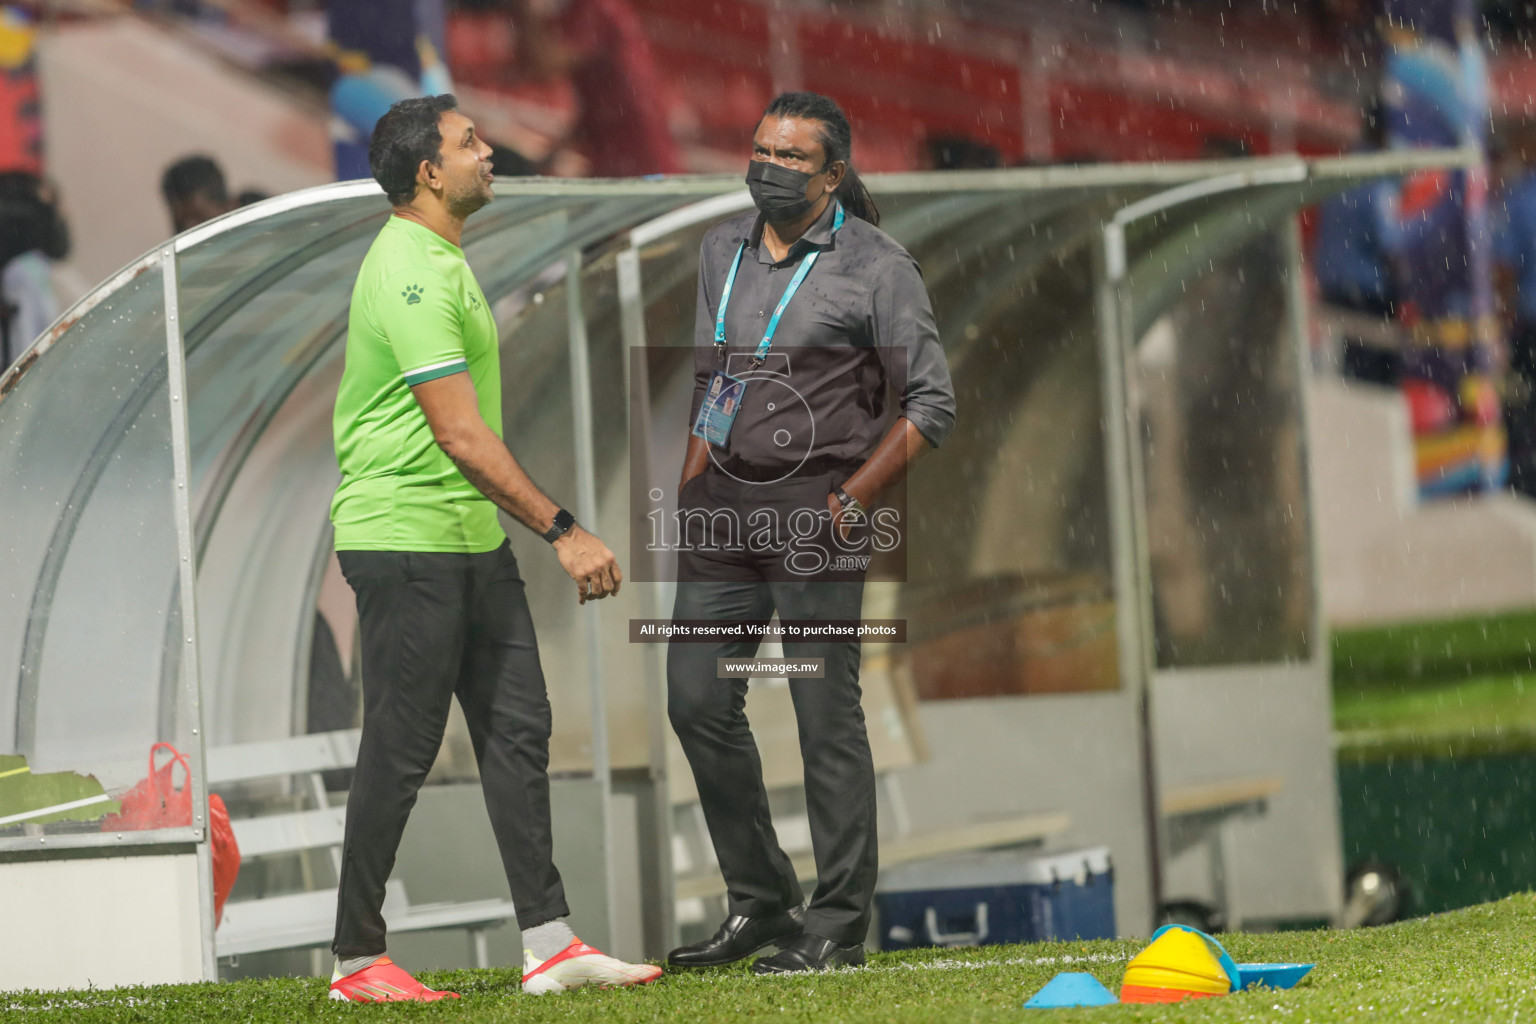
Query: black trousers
x=435, y=626
x=709, y=717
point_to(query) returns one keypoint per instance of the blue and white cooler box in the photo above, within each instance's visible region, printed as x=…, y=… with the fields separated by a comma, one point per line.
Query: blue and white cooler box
x=997, y=896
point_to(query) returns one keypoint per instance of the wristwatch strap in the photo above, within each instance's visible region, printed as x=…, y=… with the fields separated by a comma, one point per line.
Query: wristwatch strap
x=562, y=525
x=847, y=500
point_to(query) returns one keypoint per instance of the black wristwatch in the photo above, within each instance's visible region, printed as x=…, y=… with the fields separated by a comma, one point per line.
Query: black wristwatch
x=563, y=523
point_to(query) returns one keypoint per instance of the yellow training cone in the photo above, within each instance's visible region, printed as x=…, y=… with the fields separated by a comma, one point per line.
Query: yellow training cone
x=1179, y=964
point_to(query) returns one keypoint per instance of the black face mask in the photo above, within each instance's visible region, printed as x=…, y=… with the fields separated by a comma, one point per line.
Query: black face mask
x=778, y=191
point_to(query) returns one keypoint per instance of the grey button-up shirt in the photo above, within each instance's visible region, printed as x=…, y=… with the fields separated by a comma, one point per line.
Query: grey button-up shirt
x=859, y=325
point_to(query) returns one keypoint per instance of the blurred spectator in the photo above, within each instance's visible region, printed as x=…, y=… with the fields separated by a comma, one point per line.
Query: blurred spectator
x=251, y=195
x=386, y=51
x=195, y=191
x=957, y=153
x=508, y=162
x=1352, y=259
x=33, y=234
x=1358, y=236
x=1225, y=147
x=185, y=7
x=621, y=123
x=1514, y=250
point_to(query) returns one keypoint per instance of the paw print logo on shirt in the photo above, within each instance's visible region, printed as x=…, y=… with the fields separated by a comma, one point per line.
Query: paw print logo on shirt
x=412, y=294
x=474, y=303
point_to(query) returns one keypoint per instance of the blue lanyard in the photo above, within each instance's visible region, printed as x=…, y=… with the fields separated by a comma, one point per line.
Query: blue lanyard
x=789, y=293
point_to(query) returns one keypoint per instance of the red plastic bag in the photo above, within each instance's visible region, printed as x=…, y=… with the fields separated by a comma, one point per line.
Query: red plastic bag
x=156, y=802
x=159, y=802
x=226, y=854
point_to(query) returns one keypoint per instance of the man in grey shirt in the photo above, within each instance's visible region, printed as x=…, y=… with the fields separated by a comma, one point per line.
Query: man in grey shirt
x=819, y=377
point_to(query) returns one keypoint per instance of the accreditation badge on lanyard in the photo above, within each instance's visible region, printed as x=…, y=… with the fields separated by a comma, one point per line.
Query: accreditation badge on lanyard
x=721, y=404
x=723, y=399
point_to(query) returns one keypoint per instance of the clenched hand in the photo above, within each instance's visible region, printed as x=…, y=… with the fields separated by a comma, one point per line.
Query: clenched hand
x=589, y=563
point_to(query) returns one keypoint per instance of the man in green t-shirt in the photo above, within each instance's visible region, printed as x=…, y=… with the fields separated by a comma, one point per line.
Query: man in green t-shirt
x=441, y=606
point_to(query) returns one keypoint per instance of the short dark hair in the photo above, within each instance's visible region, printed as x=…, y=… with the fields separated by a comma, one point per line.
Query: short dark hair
x=194, y=176
x=406, y=135
x=29, y=218
x=836, y=138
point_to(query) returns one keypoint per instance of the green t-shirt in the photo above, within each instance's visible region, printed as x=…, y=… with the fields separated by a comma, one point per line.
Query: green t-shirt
x=417, y=314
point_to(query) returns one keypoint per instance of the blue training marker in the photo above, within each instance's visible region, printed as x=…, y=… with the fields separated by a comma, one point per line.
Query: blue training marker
x=1071, y=988
x=1272, y=975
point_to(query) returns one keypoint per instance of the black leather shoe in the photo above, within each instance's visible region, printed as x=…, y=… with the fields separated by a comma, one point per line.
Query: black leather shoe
x=810, y=953
x=738, y=938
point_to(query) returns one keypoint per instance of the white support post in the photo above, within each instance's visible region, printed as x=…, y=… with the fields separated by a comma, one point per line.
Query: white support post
x=1297, y=308
x=1119, y=437
x=186, y=547
x=659, y=906
x=591, y=615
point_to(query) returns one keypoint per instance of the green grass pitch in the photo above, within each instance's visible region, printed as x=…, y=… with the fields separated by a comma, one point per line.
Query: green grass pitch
x=1409, y=685
x=1465, y=687
x=1477, y=964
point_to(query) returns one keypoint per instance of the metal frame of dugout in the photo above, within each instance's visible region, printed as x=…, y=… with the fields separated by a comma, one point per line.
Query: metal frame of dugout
x=165, y=466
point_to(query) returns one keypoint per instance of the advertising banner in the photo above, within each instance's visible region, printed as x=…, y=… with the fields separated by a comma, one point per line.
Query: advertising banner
x=1435, y=94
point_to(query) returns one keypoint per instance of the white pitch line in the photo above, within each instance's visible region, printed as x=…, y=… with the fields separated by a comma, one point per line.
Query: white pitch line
x=55, y=809
x=81, y=1004
x=964, y=965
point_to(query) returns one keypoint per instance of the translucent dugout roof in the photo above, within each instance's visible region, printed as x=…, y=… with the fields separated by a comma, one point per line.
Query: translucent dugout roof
x=123, y=470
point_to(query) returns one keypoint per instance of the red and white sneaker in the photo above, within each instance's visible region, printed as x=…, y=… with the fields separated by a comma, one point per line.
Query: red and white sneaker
x=383, y=982
x=578, y=965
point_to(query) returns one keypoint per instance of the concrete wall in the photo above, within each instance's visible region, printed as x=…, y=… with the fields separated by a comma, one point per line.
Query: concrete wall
x=100, y=921
x=1385, y=556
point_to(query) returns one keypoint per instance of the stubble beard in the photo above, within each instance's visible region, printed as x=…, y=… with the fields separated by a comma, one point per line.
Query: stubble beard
x=463, y=202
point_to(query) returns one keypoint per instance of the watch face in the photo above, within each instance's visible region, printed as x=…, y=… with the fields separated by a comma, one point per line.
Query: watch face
x=562, y=525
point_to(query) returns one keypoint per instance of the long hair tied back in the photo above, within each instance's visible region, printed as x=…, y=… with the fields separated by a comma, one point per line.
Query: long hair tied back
x=836, y=140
